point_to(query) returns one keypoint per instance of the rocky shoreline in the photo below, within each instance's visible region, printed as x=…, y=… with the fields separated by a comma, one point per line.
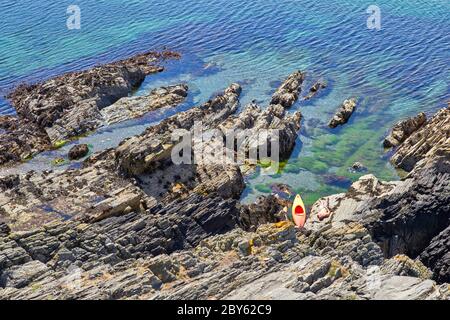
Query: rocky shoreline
x=130, y=224
x=77, y=103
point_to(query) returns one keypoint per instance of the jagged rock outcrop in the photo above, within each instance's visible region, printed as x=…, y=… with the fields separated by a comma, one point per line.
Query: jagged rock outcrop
x=137, y=154
x=20, y=139
x=431, y=139
x=287, y=94
x=28, y=256
x=344, y=113
x=437, y=256
x=403, y=129
x=256, y=129
x=264, y=210
x=43, y=103
x=99, y=190
x=274, y=262
x=69, y=105
x=404, y=217
x=89, y=116
x=133, y=224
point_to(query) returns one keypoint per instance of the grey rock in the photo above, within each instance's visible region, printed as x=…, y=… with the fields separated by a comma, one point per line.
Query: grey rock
x=403, y=129
x=287, y=94
x=343, y=114
x=437, y=256
x=135, y=107
x=165, y=231
x=20, y=276
x=406, y=288
x=4, y=229
x=402, y=265
x=45, y=102
x=20, y=139
x=429, y=141
x=264, y=210
x=68, y=105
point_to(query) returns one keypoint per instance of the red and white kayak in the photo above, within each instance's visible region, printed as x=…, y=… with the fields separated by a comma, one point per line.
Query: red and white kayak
x=299, y=212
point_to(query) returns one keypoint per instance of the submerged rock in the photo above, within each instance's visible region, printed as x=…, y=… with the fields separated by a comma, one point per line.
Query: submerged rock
x=314, y=90
x=344, y=113
x=339, y=181
x=284, y=191
x=357, y=167
x=79, y=151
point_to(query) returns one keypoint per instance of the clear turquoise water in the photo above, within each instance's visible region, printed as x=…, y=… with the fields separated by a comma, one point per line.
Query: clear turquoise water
x=396, y=72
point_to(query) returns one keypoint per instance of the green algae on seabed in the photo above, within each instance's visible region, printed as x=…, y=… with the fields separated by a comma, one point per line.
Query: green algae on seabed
x=311, y=164
x=59, y=162
x=28, y=158
x=357, y=141
x=311, y=196
x=264, y=188
x=335, y=151
x=63, y=142
x=60, y=143
x=265, y=163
